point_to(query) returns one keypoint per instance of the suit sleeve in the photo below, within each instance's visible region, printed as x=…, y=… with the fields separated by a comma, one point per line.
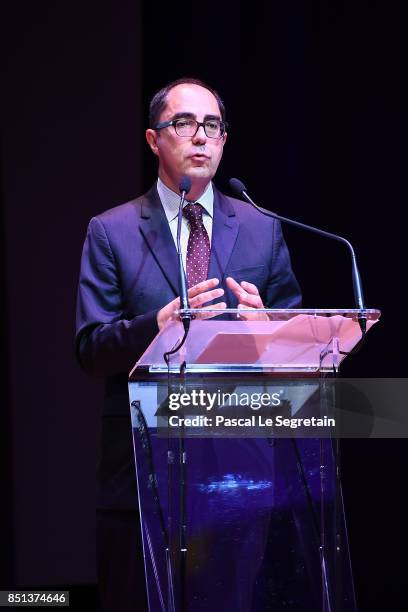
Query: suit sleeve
x=283, y=290
x=106, y=343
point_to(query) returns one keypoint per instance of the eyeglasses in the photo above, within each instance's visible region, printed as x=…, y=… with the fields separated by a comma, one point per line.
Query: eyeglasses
x=213, y=128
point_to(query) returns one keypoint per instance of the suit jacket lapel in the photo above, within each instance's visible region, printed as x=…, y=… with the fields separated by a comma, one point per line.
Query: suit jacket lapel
x=156, y=232
x=224, y=234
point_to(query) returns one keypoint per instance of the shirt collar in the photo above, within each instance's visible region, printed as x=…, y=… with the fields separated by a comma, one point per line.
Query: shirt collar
x=171, y=200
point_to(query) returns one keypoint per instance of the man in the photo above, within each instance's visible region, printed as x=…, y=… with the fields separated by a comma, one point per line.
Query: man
x=128, y=284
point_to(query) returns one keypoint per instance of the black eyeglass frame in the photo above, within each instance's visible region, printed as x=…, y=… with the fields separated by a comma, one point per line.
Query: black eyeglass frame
x=172, y=122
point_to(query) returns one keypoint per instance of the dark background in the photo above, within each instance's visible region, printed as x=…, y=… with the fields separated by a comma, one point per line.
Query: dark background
x=316, y=101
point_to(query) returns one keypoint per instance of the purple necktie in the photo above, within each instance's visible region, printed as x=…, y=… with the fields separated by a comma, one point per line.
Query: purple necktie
x=198, y=246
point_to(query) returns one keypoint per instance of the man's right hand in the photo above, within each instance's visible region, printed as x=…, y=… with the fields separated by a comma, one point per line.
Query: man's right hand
x=198, y=295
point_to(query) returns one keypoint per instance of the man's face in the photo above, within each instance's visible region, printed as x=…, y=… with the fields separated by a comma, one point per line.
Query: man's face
x=195, y=156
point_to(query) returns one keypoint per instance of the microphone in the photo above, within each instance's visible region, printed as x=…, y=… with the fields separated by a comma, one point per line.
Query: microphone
x=239, y=189
x=184, y=188
x=185, y=185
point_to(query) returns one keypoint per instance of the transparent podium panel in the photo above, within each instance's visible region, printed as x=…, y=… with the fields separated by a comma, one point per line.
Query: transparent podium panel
x=253, y=520
x=238, y=524
x=288, y=341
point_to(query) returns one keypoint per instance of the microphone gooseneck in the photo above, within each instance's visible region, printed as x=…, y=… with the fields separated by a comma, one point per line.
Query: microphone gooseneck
x=184, y=188
x=240, y=190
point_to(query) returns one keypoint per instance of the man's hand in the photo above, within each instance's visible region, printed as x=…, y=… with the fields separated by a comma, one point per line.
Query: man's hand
x=197, y=296
x=248, y=296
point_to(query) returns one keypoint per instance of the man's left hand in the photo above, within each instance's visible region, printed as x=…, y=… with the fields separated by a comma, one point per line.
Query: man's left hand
x=248, y=296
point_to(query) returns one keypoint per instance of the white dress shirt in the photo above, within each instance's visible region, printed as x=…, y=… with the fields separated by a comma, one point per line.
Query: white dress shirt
x=171, y=200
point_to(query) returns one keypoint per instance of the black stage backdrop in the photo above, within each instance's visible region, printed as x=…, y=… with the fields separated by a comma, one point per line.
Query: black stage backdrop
x=316, y=102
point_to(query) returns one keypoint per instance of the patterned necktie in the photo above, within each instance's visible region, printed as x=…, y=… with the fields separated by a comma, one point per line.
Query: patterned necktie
x=198, y=246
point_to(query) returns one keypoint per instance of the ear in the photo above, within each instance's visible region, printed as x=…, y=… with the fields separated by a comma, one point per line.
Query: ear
x=224, y=138
x=151, y=137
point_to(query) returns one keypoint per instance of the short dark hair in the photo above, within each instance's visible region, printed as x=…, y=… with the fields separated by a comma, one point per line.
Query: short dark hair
x=159, y=100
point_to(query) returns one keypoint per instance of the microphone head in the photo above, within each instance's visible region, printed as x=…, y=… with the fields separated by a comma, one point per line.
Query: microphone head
x=237, y=186
x=185, y=184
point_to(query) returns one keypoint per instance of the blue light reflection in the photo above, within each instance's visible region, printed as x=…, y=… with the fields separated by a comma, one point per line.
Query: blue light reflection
x=234, y=483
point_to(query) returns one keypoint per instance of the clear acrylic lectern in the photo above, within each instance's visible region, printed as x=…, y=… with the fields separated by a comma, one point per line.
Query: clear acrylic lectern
x=242, y=523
